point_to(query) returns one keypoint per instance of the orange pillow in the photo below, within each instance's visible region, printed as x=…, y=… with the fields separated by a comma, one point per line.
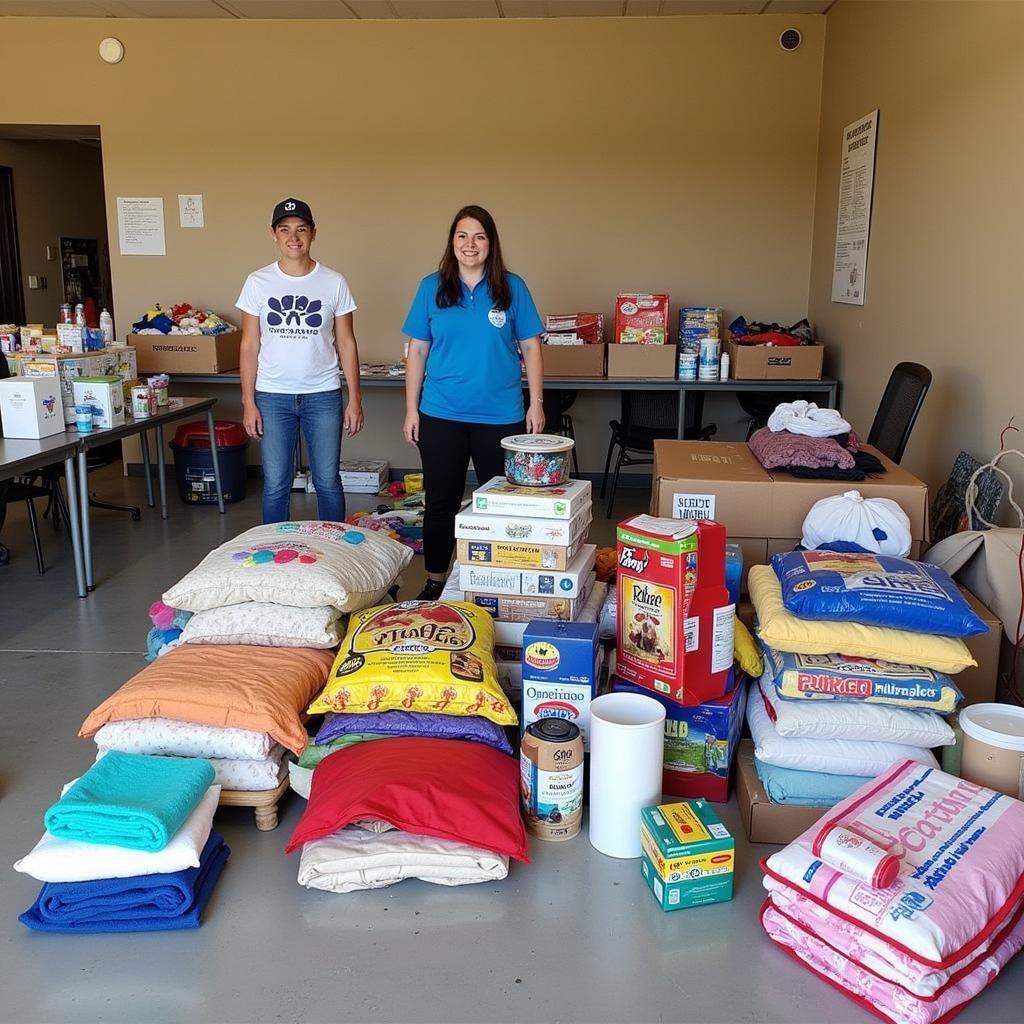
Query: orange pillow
x=265, y=689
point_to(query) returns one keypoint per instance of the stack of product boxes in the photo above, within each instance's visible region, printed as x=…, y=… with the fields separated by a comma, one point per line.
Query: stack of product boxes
x=523, y=555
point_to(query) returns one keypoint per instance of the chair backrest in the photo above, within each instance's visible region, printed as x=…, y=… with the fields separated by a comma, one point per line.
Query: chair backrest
x=556, y=403
x=650, y=410
x=898, y=409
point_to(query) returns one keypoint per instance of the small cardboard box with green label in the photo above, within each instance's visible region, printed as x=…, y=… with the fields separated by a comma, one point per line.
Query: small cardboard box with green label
x=688, y=855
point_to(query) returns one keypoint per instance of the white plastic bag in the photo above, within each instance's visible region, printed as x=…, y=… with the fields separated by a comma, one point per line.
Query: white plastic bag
x=876, y=524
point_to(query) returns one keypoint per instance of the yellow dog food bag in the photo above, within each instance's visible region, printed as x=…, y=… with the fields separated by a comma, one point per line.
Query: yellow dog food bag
x=428, y=656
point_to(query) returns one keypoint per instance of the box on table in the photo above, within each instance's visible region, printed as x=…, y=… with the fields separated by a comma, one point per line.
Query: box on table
x=764, y=821
x=573, y=361
x=363, y=476
x=689, y=857
x=30, y=407
x=516, y=608
x=701, y=742
x=979, y=685
x=117, y=360
x=641, y=318
x=493, y=579
x=70, y=336
x=512, y=554
x=105, y=395
x=774, y=362
x=187, y=353
x=764, y=511
x=651, y=362
x=675, y=621
x=489, y=527
x=501, y=498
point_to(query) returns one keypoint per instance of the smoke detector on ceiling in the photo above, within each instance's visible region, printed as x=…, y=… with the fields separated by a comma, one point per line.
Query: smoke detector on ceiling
x=112, y=50
x=791, y=39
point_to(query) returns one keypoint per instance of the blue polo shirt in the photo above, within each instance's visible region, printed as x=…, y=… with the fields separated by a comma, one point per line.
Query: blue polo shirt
x=473, y=371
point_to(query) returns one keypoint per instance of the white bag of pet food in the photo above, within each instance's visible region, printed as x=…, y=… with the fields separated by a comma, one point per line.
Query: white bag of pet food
x=875, y=524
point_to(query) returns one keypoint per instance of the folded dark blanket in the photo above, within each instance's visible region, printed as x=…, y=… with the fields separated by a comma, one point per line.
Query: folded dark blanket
x=825, y=473
x=144, y=903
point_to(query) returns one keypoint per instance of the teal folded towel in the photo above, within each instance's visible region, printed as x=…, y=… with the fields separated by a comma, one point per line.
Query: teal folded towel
x=805, y=789
x=130, y=800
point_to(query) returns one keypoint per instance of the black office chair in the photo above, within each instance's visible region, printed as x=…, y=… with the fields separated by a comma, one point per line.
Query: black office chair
x=557, y=419
x=646, y=417
x=897, y=411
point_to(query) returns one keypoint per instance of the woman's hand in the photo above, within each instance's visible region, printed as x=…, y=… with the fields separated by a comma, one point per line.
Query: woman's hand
x=353, y=417
x=252, y=420
x=411, y=427
x=535, y=418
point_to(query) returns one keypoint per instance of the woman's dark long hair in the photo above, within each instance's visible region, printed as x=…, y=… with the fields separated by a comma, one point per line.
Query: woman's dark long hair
x=449, y=288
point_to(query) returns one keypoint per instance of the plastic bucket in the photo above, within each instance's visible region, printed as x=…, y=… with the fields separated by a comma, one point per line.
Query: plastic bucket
x=993, y=753
x=193, y=462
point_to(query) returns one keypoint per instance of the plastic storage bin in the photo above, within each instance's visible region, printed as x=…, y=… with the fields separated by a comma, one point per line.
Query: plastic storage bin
x=193, y=462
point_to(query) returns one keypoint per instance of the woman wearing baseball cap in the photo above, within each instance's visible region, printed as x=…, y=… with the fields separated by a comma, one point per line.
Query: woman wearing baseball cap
x=296, y=331
x=469, y=326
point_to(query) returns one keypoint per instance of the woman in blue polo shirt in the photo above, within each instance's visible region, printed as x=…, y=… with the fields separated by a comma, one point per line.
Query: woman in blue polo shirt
x=468, y=324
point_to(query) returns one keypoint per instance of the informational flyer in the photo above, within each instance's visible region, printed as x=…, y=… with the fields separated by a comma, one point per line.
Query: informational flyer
x=140, y=226
x=856, y=180
x=190, y=211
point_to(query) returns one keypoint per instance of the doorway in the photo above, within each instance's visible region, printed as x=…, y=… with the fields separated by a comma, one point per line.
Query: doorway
x=12, y=298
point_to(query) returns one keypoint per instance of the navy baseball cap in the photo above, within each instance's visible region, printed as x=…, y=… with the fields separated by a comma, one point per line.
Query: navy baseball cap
x=292, y=208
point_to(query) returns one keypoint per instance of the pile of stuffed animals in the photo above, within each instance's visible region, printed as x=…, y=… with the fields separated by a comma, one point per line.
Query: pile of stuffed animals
x=183, y=318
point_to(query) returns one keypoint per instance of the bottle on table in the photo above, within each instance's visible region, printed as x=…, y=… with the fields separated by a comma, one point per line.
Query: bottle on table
x=107, y=327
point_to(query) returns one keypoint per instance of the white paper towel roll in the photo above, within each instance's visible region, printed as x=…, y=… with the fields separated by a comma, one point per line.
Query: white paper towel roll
x=627, y=742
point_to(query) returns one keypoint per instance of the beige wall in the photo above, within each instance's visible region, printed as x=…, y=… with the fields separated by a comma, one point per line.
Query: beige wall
x=944, y=263
x=58, y=188
x=673, y=154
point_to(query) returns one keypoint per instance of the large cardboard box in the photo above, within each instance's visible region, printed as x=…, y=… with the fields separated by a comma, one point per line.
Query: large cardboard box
x=769, y=362
x=979, y=685
x=764, y=821
x=764, y=511
x=651, y=362
x=573, y=361
x=187, y=353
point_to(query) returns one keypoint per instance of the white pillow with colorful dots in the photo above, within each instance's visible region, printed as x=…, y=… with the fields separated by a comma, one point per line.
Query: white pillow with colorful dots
x=305, y=564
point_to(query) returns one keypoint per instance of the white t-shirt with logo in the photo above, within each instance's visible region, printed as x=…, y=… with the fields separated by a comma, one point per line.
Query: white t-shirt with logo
x=297, y=351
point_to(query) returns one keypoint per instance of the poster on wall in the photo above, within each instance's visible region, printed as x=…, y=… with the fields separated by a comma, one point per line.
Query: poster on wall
x=82, y=276
x=140, y=226
x=853, y=224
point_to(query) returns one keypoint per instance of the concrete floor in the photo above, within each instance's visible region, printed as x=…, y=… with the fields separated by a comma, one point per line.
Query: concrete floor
x=574, y=936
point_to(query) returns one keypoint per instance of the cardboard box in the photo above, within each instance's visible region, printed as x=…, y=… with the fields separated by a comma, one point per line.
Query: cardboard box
x=363, y=476
x=70, y=336
x=105, y=395
x=764, y=821
x=512, y=554
x=187, y=353
x=117, y=360
x=689, y=857
x=560, y=672
x=573, y=361
x=499, y=497
x=644, y=362
x=979, y=685
x=700, y=742
x=480, y=526
x=641, y=319
x=567, y=583
x=722, y=480
x=30, y=407
x=524, y=607
x=771, y=362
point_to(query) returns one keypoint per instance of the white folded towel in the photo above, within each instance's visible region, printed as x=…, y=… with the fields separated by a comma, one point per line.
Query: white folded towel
x=807, y=419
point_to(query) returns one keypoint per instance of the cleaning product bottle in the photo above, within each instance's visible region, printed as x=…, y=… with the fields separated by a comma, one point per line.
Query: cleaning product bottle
x=107, y=327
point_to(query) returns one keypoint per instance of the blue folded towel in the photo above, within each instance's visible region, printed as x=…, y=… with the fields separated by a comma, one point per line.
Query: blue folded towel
x=132, y=800
x=145, y=903
x=805, y=789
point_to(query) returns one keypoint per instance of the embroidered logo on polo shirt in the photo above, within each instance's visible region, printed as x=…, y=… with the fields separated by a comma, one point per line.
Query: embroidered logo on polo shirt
x=497, y=317
x=294, y=310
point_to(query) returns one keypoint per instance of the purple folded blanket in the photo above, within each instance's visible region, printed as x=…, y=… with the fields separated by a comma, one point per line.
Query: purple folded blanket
x=779, y=449
x=412, y=723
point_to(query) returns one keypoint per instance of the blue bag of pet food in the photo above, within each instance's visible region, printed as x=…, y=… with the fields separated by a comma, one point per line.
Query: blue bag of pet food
x=876, y=590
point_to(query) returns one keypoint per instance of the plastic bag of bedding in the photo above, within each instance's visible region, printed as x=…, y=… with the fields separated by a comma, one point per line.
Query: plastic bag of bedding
x=875, y=590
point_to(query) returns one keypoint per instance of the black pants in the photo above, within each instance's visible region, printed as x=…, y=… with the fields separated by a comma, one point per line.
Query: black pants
x=446, y=446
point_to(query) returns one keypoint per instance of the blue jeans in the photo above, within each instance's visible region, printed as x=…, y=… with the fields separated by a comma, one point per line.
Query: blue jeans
x=320, y=417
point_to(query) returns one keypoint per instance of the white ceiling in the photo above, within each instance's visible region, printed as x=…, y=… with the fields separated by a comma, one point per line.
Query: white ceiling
x=368, y=9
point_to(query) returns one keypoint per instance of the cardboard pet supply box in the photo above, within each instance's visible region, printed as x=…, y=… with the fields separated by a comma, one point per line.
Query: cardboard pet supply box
x=477, y=526
x=651, y=362
x=573, y=361
x=187, y=353
x=524, y=607
x=774, y=362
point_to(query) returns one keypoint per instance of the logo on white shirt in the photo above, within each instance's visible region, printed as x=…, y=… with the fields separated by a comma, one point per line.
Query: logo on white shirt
x=294, y=311
x=497, y=317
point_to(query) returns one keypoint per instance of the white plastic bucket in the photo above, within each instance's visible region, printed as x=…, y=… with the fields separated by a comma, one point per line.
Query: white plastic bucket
x=627, y=743
x=993, y=753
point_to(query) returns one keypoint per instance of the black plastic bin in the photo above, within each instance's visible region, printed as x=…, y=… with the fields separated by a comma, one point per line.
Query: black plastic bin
x=193, y=462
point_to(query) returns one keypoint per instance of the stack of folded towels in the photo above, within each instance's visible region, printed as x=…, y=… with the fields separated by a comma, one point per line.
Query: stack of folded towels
x=128, y=848
x=858, y=651
x=258, y=621
x=918, y=946
x=411, y=774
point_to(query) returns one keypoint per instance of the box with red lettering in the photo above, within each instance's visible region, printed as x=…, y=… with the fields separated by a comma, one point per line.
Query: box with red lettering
x=676, y=621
